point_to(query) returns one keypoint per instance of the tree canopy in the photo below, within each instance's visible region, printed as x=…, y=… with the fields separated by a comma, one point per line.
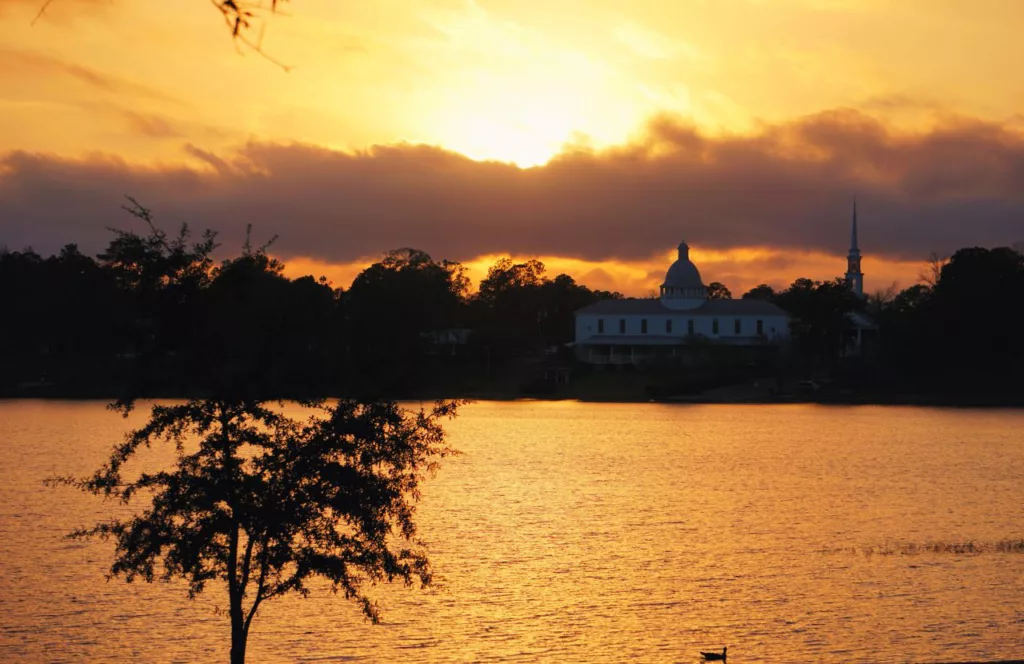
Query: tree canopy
x=760, y=292
x=265, y=502
x=718, y=291
x=960, y=332
x=821, y=315
x=258, y=501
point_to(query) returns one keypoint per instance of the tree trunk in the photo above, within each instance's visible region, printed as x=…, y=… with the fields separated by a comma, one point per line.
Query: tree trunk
x=238, y=634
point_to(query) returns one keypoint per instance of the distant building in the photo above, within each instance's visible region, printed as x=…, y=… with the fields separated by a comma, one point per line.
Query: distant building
x=634, y=330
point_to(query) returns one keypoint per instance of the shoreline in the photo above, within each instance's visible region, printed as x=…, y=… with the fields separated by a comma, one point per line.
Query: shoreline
x=721, y=397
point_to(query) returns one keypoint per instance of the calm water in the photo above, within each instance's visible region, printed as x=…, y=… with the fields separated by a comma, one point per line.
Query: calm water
x=587, y=533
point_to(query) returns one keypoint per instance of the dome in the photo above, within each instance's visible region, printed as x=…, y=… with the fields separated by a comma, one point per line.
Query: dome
x=683, y=274
x=683, y=288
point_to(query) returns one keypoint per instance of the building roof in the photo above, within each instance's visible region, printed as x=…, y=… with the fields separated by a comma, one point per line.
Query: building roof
x=654, y=307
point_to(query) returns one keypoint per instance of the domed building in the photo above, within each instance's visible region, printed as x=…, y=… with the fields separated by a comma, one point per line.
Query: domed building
x=634, y=330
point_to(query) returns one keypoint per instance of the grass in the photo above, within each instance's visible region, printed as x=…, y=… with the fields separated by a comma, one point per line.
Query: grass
x=957, y=548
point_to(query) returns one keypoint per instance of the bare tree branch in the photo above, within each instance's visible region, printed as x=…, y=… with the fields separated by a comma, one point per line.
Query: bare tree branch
x=240, y=17
x=42, y=10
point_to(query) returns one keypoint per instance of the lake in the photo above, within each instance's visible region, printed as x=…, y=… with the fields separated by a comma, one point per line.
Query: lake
x=573, y=532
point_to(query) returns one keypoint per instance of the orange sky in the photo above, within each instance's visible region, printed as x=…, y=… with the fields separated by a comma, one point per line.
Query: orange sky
x=157, y=88
x=739, y=269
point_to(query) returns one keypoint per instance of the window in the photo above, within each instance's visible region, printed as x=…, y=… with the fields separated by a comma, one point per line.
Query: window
x=622, y=326
x=668, y=326
x=714, y=325
x=737, y=326
x=600, y=326
x=760, y=327
x=643, y=326
x=689, y=326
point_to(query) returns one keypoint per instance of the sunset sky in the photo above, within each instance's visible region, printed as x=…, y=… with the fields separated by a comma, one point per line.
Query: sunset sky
x=593, y=134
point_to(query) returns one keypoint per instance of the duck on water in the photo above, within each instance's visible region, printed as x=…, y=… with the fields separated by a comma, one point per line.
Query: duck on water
x=714, y=656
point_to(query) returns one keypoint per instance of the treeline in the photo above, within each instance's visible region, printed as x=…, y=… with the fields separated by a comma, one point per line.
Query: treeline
x=958, y=333
x=157, y=307
x=964, y=331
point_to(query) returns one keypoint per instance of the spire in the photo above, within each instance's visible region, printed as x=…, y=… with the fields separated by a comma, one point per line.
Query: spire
x=854, y=276
x=853, y=230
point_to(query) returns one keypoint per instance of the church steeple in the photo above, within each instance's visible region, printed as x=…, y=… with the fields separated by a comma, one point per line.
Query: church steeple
x=854, y=276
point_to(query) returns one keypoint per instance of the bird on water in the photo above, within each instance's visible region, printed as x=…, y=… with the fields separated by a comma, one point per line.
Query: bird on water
x=714, y=656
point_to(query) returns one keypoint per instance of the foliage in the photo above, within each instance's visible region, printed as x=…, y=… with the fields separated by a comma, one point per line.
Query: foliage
x=257, y=500
x=821, y=316
x=760, y=292
x=158, y=307
x=394, y=308
x=520, y=311
x=265, y=502
x=157, y=263
x=63, y=317
x=718, y=291
x=506, y=279
x=960, y=333
x=257, y=330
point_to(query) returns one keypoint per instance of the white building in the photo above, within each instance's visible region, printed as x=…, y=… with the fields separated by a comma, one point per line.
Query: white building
x=627, y=331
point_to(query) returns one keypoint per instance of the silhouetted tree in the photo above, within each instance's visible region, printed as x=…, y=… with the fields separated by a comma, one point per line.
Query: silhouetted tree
x=760, y=292
x=508, y=279
x=911, y=299
x=62, y=317
x=264, y=502
x=820, y=312
x=520, y=311
x=257, y=501
x=976, y=312
x=718, y=291
x=958, y=332
x=882, y=298
x=560, y=299
x=161, y=278
x=509, y=308
x=394, y=307
x=933, y=269
x=262, y=332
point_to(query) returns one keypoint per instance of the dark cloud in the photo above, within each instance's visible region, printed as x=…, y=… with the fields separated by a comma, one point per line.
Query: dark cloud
x=790, y=186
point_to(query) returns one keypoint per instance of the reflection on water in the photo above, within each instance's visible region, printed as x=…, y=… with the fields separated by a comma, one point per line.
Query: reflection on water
x=588, y=533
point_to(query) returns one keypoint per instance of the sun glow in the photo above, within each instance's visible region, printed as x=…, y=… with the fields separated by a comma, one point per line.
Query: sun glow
x=525, y=116
x=520, y=96
x=524, y=142
x=529, y=116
